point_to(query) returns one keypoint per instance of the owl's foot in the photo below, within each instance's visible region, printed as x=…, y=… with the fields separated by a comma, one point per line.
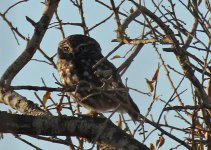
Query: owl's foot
x=89, y=114
x=92, y=114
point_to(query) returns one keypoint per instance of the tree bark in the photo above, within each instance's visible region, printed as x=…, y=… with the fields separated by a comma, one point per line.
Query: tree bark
x=92, y=128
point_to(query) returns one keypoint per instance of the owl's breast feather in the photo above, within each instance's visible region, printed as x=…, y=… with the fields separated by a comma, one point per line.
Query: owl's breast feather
x=66, y=72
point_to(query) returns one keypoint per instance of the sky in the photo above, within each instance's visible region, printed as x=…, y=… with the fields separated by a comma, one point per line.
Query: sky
x=142, y=67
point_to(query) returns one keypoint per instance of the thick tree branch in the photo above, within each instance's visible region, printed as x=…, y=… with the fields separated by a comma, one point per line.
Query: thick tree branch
x=10, y=97
x=83, y=126
x=44, y=88
x=20, y=103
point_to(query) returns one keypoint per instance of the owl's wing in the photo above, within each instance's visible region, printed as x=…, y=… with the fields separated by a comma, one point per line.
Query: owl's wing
x=112, y=80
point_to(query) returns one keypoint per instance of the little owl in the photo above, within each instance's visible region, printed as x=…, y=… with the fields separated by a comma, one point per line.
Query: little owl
x=98, y=85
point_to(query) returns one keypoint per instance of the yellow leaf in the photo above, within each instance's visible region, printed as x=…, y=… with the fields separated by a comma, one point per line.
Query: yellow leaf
x=119, y=123
x=150, y=85
x=207, y=135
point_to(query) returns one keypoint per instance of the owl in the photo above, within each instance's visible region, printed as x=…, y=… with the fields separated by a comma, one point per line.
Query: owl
x=99, y=87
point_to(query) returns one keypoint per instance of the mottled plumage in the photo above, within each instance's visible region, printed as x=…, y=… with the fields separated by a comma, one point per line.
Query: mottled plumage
x=99, y=89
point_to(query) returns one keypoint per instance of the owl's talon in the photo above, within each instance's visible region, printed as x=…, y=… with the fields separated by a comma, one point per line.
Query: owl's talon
x=92, y=113
x=89, y=114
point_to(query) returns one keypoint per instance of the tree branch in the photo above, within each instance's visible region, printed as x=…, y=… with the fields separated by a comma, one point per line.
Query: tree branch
x=33, y=44
x=20, y=103
x=83, y=126
x=10, y=97
x=180, y=54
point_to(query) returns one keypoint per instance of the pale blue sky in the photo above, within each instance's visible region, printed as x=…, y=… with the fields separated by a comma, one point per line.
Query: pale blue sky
x=143, y=66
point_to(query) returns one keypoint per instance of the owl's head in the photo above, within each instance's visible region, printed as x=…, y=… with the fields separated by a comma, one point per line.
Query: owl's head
x=78, y=47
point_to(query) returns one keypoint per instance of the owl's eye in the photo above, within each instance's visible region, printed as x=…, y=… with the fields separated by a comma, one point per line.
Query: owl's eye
x=65, y=49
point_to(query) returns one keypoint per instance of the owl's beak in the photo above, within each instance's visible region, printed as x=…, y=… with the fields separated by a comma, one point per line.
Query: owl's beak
x=62, y=54
x=59, y=50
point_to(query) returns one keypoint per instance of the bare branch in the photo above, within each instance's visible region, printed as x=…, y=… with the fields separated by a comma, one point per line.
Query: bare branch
x=32, y=45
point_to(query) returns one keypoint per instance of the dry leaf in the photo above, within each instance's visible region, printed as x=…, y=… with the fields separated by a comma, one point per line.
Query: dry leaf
x=116, y=56
x=131, y=10
x=150, y=85
x=206, y=135
x=59, y=109
x=207, y=4
x=119, y=122
x=200, y=147
x=160, y=141
x=155, y=76
x=46, y=96
x=152, y=147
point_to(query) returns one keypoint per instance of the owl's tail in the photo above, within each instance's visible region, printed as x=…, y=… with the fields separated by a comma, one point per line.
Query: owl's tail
x=130, y=107
x=134, y=115
x=133, y=111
